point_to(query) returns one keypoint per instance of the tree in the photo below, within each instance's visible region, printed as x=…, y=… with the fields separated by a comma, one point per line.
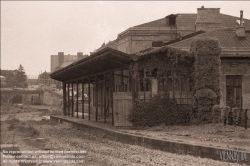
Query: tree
x=21, y=76
x=16, y=77
x=23, y=84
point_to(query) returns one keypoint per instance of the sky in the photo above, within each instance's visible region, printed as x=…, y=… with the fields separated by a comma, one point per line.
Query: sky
x=32, y=31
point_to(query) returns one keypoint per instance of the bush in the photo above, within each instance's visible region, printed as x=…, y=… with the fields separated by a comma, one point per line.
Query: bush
x=159, y=110
x=206, y=75
x=224, y=114
x=236, y=115
x=23, y=84
x=205, y=98
x=216, y=114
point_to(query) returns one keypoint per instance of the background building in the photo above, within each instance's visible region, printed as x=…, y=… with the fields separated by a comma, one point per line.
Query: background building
x=61, y=60
x=171, y=27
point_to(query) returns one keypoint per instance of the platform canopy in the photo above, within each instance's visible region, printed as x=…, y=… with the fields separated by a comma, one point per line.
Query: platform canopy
x=102, y=61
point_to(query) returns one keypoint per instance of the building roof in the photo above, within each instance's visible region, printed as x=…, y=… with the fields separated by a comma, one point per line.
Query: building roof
x=160, y=50
x=232, y=45
x=228, y=40
x=188, y=20
x=111, y=44
x=182, y=20
x=102, y=61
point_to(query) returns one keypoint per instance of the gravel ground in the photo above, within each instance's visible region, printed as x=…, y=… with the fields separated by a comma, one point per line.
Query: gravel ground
x=100, y=151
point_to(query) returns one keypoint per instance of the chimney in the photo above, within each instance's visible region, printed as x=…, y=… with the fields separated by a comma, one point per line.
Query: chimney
x=60, y=58
x=240, y=31
x=241, y=18
x=79, y=55
x=208, y=19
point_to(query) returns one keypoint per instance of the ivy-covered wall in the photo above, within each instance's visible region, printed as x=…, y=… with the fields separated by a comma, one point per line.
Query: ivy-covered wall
x=165, y=63
x=206, y=90
x=201, y=65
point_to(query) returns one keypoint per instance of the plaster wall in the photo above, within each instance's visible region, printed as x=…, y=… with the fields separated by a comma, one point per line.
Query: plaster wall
x=242, y=69
x=140, y=40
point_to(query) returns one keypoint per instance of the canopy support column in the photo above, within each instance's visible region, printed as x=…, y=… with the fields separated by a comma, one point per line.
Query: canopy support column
x=105, y=96
x=111, y=96
x=82, y=99
x=77, y=99
x=89, y=96
x=68, y=101
x=72, y=102
x=96, y=98
x=64, y=99
x=101, y=88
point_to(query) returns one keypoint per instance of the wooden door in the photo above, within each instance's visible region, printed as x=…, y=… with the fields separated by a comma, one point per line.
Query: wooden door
x=122, y=107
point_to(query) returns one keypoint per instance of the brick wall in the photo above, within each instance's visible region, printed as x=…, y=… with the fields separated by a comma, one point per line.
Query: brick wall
x=208, y=19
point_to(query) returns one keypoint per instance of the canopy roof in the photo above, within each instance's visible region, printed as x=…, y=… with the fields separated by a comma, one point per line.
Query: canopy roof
x=99, y=62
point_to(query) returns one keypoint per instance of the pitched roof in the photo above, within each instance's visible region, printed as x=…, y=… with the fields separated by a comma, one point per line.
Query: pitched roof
x=226, y=37
x=183, y=20
x=93, y=64
x=111, y=44
x=230, y=21
x=188, y=20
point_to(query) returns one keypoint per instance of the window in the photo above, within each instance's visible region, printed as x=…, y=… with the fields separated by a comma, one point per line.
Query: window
x=148, y=73
x=233, y=90
x=122, y=81
x=144, y=84
x=172, y=20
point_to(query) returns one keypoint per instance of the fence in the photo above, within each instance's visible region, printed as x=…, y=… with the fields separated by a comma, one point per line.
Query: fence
x=231, y=116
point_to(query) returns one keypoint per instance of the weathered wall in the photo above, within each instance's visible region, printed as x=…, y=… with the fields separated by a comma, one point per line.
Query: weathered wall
x=163, y=145
x=7, y=95
x=141, y=39
x=27, y=97
x=123, y=44
x=243, y=69
x=52, y=98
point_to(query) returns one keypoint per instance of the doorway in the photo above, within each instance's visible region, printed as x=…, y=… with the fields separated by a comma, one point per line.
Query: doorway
x=234, y=90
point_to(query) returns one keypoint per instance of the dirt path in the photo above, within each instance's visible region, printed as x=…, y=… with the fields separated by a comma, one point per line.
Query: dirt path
x=29, y=132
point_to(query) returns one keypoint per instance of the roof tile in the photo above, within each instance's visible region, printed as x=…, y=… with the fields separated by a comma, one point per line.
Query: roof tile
x=188, y=20
x=227, y=39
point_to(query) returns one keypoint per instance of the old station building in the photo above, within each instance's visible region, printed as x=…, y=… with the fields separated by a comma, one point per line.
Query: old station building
x=131, y=67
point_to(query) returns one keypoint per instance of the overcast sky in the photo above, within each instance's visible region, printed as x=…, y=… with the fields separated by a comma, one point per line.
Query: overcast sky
x=32, y=31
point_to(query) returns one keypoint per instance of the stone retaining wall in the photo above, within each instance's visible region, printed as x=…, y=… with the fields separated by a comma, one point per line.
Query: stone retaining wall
x=167, y=146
